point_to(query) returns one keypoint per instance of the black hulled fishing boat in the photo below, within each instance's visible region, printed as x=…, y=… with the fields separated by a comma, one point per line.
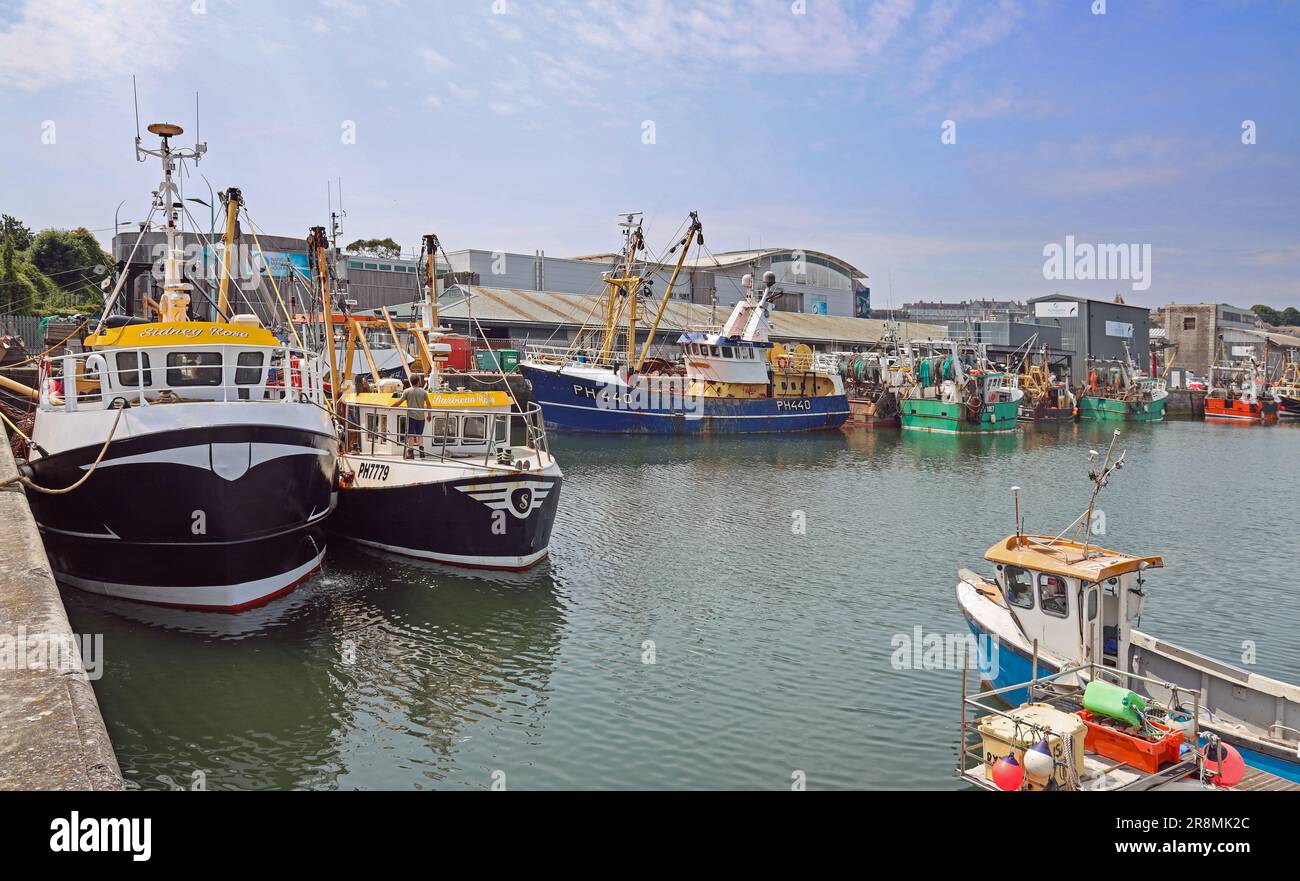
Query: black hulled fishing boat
x=178, y=461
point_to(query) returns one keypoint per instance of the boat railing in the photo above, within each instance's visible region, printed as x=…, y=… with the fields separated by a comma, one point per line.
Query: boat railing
x=446, y=433
x=561, y=356
x=1041, y=688
x=150, y=375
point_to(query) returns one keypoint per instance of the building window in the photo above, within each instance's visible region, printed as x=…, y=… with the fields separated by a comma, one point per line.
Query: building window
x=1189, y=322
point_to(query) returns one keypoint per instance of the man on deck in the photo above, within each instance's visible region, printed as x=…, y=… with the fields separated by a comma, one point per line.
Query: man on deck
x=417, y=402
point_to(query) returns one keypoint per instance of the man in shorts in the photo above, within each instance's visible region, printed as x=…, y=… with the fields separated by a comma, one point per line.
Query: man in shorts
x=417, y=402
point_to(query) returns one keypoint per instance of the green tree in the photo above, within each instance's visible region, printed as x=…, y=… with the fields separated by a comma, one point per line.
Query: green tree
x=72, y=259
x=1290, y=316
x=376, y=248
x=16, y=231
x=1267, y=314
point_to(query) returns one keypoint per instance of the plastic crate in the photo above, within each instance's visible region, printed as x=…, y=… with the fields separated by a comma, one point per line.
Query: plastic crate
x=1141, y=754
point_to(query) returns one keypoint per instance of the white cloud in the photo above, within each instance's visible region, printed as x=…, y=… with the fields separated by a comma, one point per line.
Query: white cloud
x=53, y=43
x=434, y=60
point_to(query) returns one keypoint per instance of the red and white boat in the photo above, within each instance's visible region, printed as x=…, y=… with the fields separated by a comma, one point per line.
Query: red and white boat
x=1238, y=393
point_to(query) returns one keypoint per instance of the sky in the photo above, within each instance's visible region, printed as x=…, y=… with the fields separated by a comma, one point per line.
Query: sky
x=940, y=146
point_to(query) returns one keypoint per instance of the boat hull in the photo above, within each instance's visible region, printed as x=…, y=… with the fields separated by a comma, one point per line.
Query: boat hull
x=582, y=404
x=1289, y=408
x=1240, y=411
x=450, y=515
x=222, y=518
x=1094, y=409
x=942, y=417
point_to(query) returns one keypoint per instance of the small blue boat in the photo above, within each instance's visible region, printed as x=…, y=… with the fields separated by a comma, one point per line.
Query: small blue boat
x=1057, y=603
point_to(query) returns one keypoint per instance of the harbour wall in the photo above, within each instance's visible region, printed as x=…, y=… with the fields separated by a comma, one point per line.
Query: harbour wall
x=1183, y=402
x=52, y=735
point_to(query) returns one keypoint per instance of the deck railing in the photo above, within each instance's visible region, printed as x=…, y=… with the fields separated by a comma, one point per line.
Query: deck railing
x=103, y=379
x=499, y=433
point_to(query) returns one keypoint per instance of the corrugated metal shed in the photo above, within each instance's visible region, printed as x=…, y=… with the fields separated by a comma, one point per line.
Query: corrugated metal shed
x=513, y=307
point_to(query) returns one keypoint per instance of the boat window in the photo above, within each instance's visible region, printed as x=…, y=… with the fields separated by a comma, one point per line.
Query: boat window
x=373, y=427
x=249, y=369
x=127, y=375
x=444, y=428
x=717, y=351
x=401, y=427
x=503, y=430
x=726, y=351
x=193, y=368
x=475, y=429
x=1092, y=603
x=1020, y=587
x=1052, y=596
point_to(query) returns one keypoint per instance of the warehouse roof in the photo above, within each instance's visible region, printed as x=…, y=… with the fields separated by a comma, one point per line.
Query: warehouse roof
x=727, y=259
x=545, y=309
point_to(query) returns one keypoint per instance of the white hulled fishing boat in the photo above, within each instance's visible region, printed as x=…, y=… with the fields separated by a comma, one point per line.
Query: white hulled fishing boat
x=467, y=479
x=176, y=461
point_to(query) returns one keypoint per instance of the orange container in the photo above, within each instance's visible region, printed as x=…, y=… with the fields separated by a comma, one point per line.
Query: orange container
x=1141, y=754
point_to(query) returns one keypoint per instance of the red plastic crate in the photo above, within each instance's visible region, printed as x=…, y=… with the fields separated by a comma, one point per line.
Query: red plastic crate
x=1141, y=754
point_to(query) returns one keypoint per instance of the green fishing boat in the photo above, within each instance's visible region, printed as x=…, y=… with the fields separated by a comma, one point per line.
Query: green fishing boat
x=954, y=390
x=1119, y=390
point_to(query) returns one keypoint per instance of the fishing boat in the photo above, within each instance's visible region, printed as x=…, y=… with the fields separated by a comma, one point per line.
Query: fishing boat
x=1238, y=393
x=178, y=461
x=1055, y=603
x=732, y=379
x=873, y=382
x=955, y=389
x=1047, y=398
x=1118, y=389
x=468, y=480
x=1287, y=391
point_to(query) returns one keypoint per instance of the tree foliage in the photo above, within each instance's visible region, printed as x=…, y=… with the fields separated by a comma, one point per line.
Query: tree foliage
x=1288, y=317
x=376, y=248
x=55, y=271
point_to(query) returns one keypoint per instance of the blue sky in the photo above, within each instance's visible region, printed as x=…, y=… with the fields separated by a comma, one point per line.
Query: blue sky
x=519, y=124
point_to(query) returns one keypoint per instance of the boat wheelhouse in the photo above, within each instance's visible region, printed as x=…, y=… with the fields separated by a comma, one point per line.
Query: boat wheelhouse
x=1287, y=391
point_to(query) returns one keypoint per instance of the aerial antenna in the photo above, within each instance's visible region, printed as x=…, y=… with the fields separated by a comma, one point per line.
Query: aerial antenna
x=135, y=95
x=197, y=132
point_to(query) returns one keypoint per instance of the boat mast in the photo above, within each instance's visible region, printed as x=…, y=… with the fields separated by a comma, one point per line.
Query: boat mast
x=175, y=299
x=696, y=231
x=318, y=252
x=626, y=284
x=233, y=199
x=431, y=281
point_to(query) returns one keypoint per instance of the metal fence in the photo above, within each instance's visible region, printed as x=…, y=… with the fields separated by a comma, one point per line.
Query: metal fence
x=28, y=327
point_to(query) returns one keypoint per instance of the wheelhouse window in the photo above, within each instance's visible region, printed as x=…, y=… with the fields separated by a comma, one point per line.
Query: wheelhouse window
x=1052, y=596
x=475, y=429
x=128, y=373
x=248, y=370
x=193, y=368
x=444, y=429
x=1020, y=587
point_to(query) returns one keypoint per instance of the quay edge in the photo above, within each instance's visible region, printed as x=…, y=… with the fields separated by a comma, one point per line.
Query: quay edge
x=52, y=735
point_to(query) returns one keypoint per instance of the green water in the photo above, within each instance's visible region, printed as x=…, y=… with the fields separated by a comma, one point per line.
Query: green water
x=772, y=650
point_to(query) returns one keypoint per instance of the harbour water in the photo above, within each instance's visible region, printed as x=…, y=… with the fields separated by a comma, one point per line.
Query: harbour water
x=716, y=613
